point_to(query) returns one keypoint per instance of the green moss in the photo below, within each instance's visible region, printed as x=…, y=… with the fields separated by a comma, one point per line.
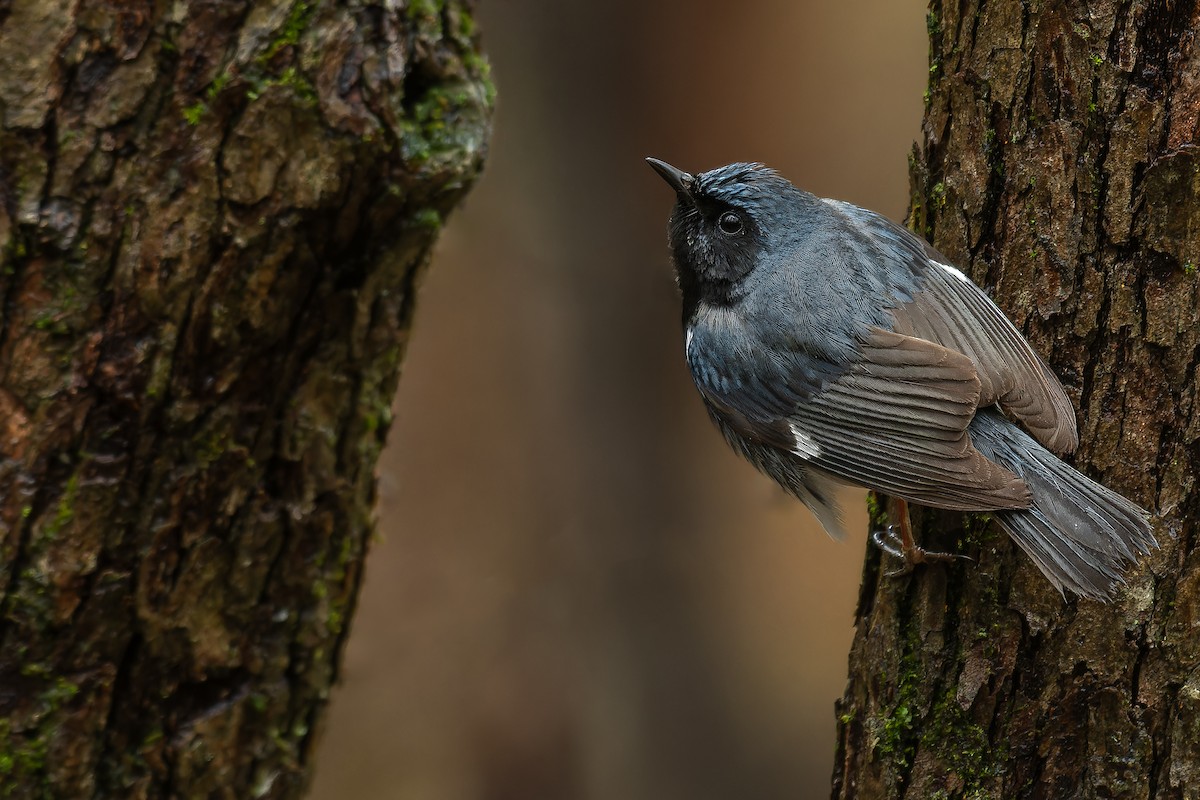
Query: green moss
x=918, y=215
x=896, y=729
x=898, y=739
x=426, y=16
x=426, y=218
x=12, y=252
x=23, y=763
x=258, y=75
x=281, y=741
x=346, y=555
x=59, y=692
x=50, y=323
x=210, y=446
x=963, y=745
x=481, y=69
x=430, y=129
x=1189, y=269
x=291, y=78
x=876, y=511
x=937, y=197
x=426, y=130
x=194, y=113
x=66, y=301
x=466, y=29
x=977, y=529
x=65, y=511
x=418, y=9
x=446, y=120
x=218, y=84
x=933, y=27
x=30, y=603
x=160, y=376
x=297, y=22
x=944, y=731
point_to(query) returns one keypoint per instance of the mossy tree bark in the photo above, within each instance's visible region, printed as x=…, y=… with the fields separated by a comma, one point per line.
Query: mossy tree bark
x=1060, y=168
x=213, y=217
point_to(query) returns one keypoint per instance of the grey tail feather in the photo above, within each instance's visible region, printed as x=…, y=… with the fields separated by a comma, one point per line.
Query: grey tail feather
x=1081, y=535
x=820, y=494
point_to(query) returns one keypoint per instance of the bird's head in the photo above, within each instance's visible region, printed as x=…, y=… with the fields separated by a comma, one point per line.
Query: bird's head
x=725, y=220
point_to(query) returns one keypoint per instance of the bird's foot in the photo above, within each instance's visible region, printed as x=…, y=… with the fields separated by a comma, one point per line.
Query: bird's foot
x=892, y=541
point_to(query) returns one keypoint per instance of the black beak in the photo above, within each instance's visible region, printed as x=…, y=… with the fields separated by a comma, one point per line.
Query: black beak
x=680, y=181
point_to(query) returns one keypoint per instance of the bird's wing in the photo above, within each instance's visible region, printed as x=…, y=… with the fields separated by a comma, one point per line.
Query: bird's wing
x=954, y=312
x=950, y=310
x=896, y=421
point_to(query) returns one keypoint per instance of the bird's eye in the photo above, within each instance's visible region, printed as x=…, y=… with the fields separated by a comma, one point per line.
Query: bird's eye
x=730, y=224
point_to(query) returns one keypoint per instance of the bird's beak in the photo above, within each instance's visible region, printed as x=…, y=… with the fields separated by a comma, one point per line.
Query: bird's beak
x=680, y=181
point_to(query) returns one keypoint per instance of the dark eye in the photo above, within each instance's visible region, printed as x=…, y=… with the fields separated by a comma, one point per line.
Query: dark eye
x=730, y=224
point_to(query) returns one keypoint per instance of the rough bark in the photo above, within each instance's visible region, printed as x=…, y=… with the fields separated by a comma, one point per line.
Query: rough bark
x=1059, y=167
x=213, y=218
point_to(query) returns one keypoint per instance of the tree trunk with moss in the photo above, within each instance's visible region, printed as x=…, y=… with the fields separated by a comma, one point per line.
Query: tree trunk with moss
x=1060, y=168
x=213, y=219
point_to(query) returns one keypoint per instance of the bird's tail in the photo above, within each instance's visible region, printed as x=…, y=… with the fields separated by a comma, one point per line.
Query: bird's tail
x=1081, y=535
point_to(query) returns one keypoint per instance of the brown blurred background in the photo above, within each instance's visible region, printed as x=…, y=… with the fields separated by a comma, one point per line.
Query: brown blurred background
x=578, y=590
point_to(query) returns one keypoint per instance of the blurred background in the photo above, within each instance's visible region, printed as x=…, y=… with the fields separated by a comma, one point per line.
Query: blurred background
x=578, y=591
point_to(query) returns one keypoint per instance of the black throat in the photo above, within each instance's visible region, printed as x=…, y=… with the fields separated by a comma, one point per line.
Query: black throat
x=709, y=267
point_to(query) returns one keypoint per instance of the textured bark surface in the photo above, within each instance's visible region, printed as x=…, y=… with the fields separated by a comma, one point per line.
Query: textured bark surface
x=213, y=217
x=1059, y=168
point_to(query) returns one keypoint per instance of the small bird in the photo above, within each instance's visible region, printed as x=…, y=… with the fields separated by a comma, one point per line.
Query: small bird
x=832, y=346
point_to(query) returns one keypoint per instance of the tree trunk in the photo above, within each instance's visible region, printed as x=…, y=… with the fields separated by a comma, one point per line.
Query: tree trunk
x=1059, y=167
x=213, y=219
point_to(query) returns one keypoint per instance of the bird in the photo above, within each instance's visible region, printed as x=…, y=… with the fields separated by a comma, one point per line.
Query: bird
x=832, y=346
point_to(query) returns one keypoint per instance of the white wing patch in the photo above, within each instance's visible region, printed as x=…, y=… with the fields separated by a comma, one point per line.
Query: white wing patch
x=687, y=343
x=953, y=271
x=804, y=446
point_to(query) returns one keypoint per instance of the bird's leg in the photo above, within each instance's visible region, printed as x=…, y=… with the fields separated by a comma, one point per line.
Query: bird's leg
x=907, y=549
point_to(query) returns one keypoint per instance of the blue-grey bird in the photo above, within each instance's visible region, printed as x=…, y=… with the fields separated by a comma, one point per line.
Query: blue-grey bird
x=832, y=346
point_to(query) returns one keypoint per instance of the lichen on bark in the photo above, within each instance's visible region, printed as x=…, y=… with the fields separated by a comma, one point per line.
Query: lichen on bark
x=213, y=221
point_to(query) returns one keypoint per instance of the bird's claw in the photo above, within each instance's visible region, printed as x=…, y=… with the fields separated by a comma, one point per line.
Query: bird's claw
x=890, y=541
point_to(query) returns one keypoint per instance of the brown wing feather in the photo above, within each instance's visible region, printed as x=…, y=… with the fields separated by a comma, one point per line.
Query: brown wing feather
x=897, y=422
x=953, y=312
